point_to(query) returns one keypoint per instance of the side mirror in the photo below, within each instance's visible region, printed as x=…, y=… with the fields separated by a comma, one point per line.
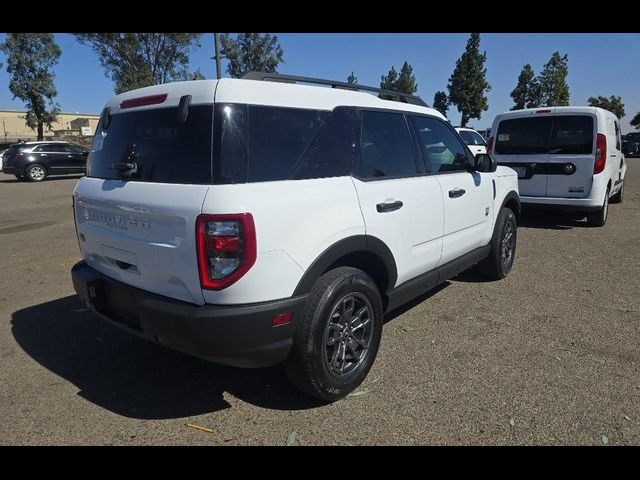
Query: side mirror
x=485, y=163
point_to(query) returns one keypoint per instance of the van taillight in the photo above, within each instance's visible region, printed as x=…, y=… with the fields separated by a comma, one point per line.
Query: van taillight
x=490, y=146
x=226, y=248
x=601, y=153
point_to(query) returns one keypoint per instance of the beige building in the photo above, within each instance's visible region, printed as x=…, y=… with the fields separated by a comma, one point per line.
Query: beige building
x=13, y=127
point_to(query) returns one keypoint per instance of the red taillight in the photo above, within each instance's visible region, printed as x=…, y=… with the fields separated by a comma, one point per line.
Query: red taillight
x=226, y=247
x=490, y=146
x=544, y=111
x=141, y=101
x=601, y=153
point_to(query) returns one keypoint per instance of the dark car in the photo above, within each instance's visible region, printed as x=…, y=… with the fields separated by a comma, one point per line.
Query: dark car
x=631, y=144
x=35, y=161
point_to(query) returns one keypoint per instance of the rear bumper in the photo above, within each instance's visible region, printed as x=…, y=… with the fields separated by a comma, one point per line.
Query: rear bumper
x=237, y=335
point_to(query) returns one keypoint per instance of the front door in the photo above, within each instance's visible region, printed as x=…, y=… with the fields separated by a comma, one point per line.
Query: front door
x=467, y=194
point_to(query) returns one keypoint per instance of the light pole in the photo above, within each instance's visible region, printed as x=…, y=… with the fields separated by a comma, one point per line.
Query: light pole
x=216, y=43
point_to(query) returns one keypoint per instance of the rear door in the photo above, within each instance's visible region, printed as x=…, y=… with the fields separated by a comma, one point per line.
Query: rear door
x=400, y=204
x=140, y=229
x=571, y=156
x=522, y=143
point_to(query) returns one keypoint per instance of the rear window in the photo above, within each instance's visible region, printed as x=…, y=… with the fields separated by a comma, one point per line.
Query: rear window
x=572, y=135
x=471, y=138
x=523, y=136
x=164, y=150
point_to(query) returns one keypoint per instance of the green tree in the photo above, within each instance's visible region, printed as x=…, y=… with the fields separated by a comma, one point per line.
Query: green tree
x=30, y=59
x=613, y=104
x=468, y=84
x=135, y=60
x=404, y=82
x=352, y=79
x=527, y=91
x=248, y=52
x=389, y=81
x=554, y=90
x=635, y=121
x=441, y=102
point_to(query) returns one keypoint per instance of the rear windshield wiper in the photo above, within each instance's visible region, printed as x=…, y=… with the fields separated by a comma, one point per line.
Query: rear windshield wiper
x=125, y=168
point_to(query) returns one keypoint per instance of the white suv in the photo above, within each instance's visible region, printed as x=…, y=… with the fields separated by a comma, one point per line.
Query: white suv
x=473, y=139
x=253, y=222
x=567, y=158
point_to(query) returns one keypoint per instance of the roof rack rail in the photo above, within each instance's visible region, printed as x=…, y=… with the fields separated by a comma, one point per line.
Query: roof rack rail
x=385, y=94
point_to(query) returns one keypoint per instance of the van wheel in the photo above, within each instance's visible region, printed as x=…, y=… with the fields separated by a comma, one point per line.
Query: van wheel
x=618, y=197
x=503, y=247
x=336, y=342
x=36, y=173
x=599, y=217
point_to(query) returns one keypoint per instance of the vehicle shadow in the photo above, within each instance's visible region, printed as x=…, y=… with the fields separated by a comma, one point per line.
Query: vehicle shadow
x=389, y=316
x=551, y=220
x=136, y=378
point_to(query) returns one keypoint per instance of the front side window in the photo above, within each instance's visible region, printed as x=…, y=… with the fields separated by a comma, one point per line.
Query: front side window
x=385, y=146
x=472, y=138
x=572, y=135
x=441, y=149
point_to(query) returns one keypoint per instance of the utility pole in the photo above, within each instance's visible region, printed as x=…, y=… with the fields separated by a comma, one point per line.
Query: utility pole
x=216, y=43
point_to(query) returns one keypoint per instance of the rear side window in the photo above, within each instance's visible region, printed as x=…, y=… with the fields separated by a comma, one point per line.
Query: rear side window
x=260, y=144
x=55, y=148
x=523, y=136
x=572, y=135
x=385, y=146
x=164, y=149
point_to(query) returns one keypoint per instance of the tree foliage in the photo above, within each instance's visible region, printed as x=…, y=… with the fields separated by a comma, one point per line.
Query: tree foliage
x=404, y=82
x=635, y=121
x=613, y=104
x=468, y=84
x=135, y=60
x=30, y=60
x=527, y=91
x=352, y=79
x=554, y=90
x=441, y=102
x=248, y=52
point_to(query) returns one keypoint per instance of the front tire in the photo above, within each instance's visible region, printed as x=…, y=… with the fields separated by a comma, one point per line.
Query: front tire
x=36, y=173
x=599, y=217
x=336, y=342
x=499, y=262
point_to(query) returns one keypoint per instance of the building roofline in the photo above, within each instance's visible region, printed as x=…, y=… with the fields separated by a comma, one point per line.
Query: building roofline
x=59, y=113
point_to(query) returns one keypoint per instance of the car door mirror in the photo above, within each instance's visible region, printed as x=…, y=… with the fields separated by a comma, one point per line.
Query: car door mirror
x=485, y=163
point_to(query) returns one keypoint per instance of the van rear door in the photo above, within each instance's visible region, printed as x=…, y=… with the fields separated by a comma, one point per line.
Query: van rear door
x=571, y=156
x=138, y=226
x=522, y=143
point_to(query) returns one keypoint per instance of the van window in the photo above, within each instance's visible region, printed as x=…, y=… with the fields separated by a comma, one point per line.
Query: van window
x=385, y=146
x=523, y=136
x=572, y=135
x=618, y=146
x=164, y=149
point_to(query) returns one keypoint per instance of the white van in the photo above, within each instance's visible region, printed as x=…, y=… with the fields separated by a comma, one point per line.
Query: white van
x=565, y=157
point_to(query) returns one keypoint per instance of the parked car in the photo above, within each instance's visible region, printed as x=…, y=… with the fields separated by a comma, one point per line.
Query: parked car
x=631, y=144
x=35, y=161
x=566, y=157
x=2, y=158
x=253, y=222
x=473, y=139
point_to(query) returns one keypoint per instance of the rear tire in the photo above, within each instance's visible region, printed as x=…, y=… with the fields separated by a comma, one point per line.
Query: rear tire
x=503, y=247
x=599, y=217
x=336, y=342
x=618, y=197
x=36, y=173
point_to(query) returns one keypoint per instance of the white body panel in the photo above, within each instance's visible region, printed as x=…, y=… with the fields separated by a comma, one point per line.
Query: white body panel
x=413, y=232
x=583, y=188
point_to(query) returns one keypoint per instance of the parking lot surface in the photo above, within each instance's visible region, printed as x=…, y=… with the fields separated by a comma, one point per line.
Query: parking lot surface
x=549, y=355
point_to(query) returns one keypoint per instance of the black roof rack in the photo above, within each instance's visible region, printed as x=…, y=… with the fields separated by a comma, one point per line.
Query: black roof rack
x=385, y=94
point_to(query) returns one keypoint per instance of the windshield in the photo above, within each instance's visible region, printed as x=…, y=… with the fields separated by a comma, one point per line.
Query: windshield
x=163, y=149
x=471, y=138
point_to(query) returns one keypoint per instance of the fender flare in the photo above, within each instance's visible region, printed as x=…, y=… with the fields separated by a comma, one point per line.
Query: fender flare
x=346, y=246
x=512, y=195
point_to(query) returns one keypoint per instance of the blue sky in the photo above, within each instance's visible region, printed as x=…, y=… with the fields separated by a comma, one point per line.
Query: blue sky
x=599, y=64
